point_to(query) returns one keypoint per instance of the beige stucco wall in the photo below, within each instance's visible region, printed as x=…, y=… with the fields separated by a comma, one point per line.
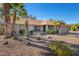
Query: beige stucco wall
x=63, y=30
x=41, y=28
x=31, y=28
x=18, y=27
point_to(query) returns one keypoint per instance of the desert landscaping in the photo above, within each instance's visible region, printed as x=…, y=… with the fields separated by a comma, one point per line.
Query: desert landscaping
x=36, y=47
x=22, y=34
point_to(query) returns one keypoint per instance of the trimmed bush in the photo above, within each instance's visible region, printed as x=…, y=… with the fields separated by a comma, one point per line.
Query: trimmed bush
x=22, y=31
x=51, y=31
x=73, y=28
x=60, y=49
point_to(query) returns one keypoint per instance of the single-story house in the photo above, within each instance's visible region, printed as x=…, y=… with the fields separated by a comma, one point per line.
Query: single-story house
x=39, y=26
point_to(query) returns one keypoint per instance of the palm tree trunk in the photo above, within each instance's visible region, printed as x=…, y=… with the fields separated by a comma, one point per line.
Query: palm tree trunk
x=6, y=20
x=13, y=24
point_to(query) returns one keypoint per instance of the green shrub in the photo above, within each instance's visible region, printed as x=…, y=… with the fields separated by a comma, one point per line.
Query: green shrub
x=22, y=31
x=60, y=49
x=51, y=31
x=73, y=28
x=56, y=31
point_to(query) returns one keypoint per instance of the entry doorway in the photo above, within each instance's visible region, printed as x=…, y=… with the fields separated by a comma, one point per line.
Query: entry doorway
x=44, y=28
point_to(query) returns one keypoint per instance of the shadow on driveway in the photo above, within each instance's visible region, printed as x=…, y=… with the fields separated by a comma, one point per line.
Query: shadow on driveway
x=74, y=33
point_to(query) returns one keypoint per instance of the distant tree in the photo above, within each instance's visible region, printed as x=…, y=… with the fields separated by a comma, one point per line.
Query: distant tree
x=50, y=19
x=61, y=22
x=32, y=17
x=77, y=24
x=73, y=27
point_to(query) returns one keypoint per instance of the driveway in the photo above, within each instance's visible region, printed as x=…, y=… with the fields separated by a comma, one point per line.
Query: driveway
x=72, y=39
x=73, y=34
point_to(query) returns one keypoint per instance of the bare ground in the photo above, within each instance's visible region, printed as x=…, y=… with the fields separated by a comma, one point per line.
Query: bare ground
x=20, y=48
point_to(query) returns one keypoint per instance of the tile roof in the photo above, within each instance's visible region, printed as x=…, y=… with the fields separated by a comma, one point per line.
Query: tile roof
x=34, y=22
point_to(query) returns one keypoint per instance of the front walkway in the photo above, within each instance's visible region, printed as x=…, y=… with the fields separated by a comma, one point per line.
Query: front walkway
x=72, y=37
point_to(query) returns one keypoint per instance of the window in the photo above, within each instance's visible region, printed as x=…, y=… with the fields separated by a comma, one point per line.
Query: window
x=36, y=28
x=50, y=27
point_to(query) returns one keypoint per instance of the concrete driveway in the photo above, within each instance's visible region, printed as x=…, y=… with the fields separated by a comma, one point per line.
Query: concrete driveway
x=74, y=32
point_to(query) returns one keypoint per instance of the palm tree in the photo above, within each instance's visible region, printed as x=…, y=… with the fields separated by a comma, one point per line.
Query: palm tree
x=7, y=19
x=17, y=10
x=32, y=17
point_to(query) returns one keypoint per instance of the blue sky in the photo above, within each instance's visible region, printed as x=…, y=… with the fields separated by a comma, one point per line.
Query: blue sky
x=60, y=11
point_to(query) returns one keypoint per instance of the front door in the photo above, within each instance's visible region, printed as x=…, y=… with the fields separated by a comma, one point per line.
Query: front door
x=44, y=28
